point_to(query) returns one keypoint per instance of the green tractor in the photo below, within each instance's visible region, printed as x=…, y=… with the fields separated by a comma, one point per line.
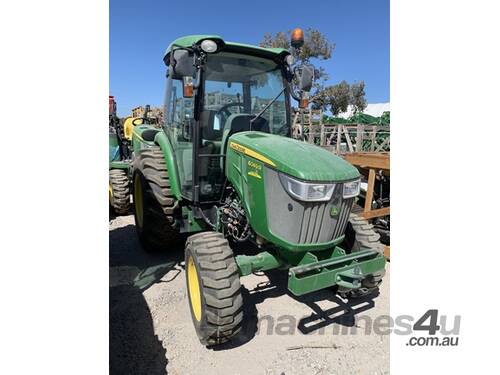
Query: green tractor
x=224, y=170
x=119, y=163
x=120, y=155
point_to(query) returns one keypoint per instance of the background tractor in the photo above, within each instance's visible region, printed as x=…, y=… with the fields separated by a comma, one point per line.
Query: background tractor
x=224, y=169
x=119, y=162
x=120, y=155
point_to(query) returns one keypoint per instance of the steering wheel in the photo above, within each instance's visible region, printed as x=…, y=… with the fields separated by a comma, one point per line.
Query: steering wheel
x=137, y=119
x=226, y=106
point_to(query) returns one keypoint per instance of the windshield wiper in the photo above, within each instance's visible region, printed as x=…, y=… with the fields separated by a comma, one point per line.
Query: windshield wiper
x=265, y=108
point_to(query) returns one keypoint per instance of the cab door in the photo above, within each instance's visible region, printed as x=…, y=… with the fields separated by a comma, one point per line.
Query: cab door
x=179, y=117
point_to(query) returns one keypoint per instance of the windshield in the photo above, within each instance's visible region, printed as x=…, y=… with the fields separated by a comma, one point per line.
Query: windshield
x=238, y=87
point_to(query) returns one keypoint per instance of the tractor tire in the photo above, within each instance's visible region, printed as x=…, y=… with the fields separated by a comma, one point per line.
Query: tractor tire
x=155, y=208
x=214, y=289
x=119, y=191
x=359, y=235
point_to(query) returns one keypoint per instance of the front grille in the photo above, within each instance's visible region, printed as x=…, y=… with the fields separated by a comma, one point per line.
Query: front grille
x=306, y=222
x=315, y=216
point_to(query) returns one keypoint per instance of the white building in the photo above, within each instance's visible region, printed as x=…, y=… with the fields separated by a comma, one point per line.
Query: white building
x=374, y=109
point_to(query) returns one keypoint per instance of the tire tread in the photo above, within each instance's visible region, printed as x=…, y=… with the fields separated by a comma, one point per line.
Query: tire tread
x=221, y=287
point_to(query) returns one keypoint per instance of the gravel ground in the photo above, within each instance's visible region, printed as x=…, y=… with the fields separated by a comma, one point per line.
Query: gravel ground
x=151, y=330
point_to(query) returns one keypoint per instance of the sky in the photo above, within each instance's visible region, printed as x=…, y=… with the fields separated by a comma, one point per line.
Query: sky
x=140, y=31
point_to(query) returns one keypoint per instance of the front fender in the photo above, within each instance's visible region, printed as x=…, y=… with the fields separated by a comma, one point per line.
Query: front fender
x=168, y=153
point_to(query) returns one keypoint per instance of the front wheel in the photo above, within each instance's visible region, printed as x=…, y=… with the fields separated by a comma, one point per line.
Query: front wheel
x=214, y=289
x=360, y=235
x=119, y=192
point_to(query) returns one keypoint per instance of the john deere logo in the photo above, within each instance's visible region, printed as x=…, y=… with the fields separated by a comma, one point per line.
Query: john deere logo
x=334, y=211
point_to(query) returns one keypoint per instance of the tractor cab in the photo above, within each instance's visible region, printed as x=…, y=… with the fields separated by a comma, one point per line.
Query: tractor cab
x=214, y=90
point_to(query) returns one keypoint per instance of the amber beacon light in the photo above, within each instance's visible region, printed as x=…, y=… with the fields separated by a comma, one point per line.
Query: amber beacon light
x=297, y=38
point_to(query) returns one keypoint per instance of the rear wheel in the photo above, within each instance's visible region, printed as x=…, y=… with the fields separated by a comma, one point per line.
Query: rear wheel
x=155, y=208
x=359, y=235
x=119, y=191
x=214, y=289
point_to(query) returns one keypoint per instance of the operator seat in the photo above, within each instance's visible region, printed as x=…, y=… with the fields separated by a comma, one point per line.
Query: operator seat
x=208, y=132
x=239, y=122
x=149, y=134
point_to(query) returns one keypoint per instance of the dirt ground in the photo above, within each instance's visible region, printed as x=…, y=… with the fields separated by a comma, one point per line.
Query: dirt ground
x=151, y=330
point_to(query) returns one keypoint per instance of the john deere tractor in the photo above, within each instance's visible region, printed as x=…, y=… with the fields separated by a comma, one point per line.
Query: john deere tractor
x=119, y=162
x=120, y=156
x=224, y=170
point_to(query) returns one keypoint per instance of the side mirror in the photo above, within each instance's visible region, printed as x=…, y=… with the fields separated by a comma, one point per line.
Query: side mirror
x=305, y=78
x=182, y=63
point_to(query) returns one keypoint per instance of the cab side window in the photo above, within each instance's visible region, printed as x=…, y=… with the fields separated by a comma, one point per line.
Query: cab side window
x=178, y=109
x=179, y=115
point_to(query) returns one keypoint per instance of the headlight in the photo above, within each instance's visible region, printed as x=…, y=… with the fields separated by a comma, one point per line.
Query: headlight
x=307, y=191
x=351, y=189
x=209, y=46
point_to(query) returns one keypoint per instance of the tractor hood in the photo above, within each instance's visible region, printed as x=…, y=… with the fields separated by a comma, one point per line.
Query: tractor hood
x=295, y=158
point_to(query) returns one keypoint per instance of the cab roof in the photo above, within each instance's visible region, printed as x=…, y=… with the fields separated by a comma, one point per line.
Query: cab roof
x=189, y=40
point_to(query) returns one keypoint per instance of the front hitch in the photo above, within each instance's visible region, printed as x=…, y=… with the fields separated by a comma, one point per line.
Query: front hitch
x=346, y=271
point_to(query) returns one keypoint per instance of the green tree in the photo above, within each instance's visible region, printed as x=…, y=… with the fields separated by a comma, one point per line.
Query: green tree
x=335, y=98
x=338, y=97
x=358, y=100
x=316, y=46
x=280, y=40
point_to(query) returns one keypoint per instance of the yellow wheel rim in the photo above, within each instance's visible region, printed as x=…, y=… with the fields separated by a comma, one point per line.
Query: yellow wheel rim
x=194, y=289
x=110, y=190
x=139, y=210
